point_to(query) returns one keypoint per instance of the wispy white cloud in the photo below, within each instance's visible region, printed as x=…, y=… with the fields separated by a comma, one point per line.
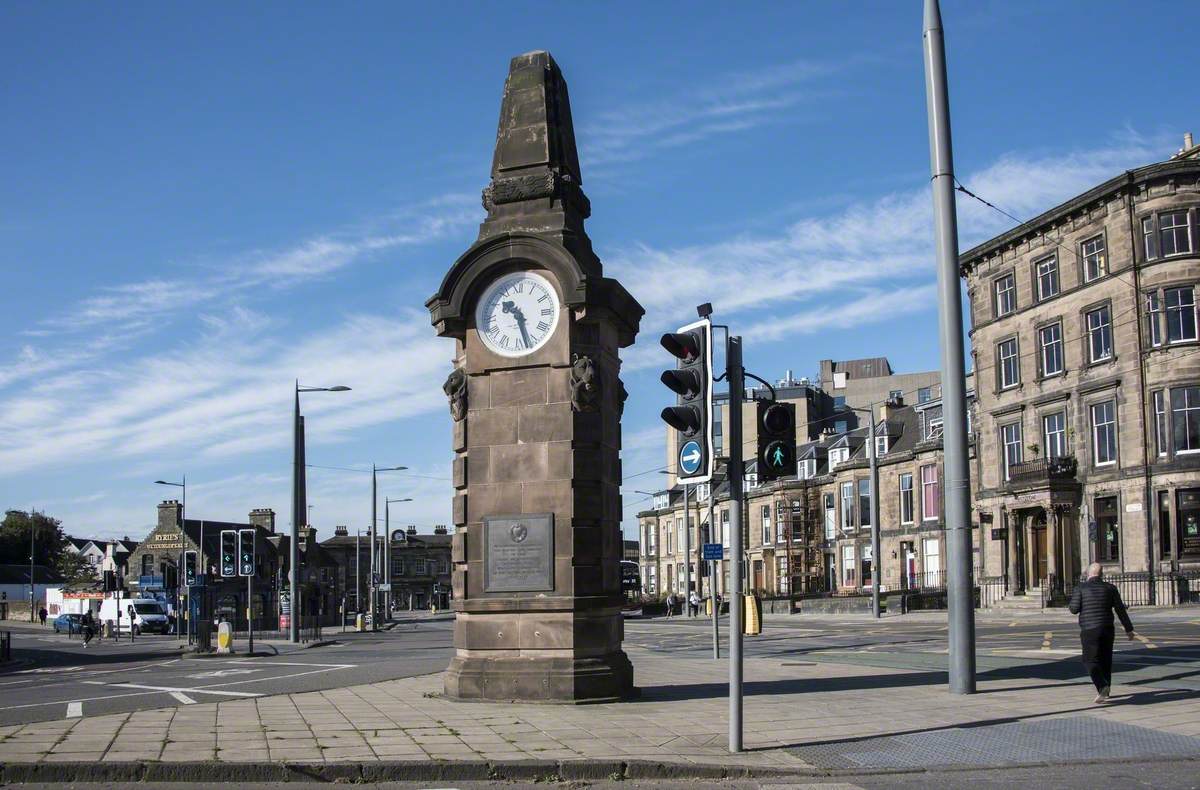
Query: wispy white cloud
x=735, y=103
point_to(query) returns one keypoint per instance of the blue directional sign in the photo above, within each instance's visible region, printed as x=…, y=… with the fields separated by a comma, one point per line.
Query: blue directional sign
x=690, y=457
x=712, y=551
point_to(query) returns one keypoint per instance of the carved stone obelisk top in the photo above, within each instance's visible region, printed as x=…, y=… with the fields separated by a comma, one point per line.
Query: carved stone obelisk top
x=535, y=403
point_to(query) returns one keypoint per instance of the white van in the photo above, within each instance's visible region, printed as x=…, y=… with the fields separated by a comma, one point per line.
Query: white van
x=148, y=615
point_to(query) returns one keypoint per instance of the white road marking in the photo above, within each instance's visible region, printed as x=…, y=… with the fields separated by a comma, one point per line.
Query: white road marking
x=184, y=698
x=47, y=670
x=220, y=673
x=74, y=710
x=176, y=688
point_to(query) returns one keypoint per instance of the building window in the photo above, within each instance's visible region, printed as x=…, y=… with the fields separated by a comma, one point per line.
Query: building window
x=830, y=518
x=766, y=524
x=924, y=394
x=838, y=455
x=808, y=469
x=1047, y=277
x=839, y=401
x=1093, y=258
x=652, y=537
x=864, y=502
x=1154, y=318
x=1108, y=530
x=652, y=579
x=906, y=498
x=1054, y=433
x=848, y=579
x=881, y=446
x=725, y=528
x=932, y=562
x=1051, y=342
x=867, y=555
x=1160, y=422
x=1187, y=516
x=1099, y=329
x=680, y=529
x=147, y=564
x=1181, y=314
x=1148, y=237
x=782, y=577
x=1174, y=235
x=1007, y=363
x=1010, y=437
x=1104, y=433
x=669, y=534
x=840, y=426
x=931, y=495
x=1185, y=419
x=1006, y=294
x=847, y=505
x=1164, y=524
x=894, y=395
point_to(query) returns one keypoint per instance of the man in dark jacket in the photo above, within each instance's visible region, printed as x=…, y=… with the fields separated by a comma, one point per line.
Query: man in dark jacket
x=1095, y=601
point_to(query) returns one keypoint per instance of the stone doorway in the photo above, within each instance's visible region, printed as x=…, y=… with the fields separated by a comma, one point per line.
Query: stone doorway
x=1038, y=558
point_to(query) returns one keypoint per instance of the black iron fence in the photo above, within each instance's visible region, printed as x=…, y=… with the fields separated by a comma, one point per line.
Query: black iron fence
x=1137, y=588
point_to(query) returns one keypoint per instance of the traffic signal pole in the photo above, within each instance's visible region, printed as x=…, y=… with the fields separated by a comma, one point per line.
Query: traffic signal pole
x=959, y=596
x=687, y=549
x=733, y=373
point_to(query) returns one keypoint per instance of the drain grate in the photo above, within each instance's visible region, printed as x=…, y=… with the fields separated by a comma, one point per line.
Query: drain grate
x=1051, y=740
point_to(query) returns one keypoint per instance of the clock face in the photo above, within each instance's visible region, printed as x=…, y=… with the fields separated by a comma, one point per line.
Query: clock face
x=517, y=314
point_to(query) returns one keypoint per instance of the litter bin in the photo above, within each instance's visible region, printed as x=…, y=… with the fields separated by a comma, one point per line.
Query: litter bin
x=203, y=635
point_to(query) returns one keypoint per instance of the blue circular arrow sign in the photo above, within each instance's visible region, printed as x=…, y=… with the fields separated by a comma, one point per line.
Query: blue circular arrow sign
x=690, y=457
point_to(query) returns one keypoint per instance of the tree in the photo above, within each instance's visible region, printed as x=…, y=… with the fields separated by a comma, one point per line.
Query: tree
x=49, y=541
x=75, y=569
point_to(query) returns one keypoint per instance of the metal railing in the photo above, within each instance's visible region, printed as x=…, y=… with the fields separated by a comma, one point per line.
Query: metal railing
x=991, y=589
x=1064, y=466
x=1137, y=588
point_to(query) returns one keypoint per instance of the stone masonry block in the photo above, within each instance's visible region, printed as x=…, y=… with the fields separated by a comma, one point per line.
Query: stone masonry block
x=460, y=509
x=458, y=436
x=520, y=462
x=494, y=500
x=458, y=471
x=458, y=547
x=552, y=496
x=545, y=423
x=493, y=426
x=558, y=389
x=521, y=387
x=479, y=390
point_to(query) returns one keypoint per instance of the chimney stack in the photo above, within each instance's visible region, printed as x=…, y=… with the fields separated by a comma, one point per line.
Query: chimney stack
x=439, y=529
x=263, y=517
x=1187, y=141
x=412, y=529
x=170, y=514
x=341, y=531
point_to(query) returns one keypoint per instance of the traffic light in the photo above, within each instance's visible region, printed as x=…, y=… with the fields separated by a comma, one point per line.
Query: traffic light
x=110, y=581
x=776, y=440
x=692, y=416
x=189, y=568
x=246, y=553
x=228, y=553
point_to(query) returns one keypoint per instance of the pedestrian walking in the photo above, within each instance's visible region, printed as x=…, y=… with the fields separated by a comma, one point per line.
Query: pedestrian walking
x=88, y=628
x=1094, y=601
x=693, y=604
x=670, y=604
x=42, y=615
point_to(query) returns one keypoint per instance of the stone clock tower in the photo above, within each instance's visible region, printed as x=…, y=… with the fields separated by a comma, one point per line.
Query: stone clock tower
x=536, y=399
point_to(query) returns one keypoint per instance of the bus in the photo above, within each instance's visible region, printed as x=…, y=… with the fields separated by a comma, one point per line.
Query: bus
x=631, y=589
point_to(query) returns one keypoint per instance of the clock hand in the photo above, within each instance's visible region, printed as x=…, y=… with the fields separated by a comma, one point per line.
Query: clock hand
x=521, y=326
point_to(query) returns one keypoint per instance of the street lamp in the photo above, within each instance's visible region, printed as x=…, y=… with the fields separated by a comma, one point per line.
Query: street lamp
x=375, y=470
x=876, y=560
x=183, y=541
x=387, y=553
x=294, y=537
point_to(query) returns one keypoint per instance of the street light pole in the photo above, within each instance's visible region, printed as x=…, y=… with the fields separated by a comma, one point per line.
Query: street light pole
x=957, y=492
x=294, y=534
x=387, y=553
x=374, y=605
x=183, y=540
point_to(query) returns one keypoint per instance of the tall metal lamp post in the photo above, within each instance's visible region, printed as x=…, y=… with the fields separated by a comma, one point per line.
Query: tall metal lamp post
x=374, y=585
x=297, y=511
x=387, y=553
x=183, y=541
x=876, y=560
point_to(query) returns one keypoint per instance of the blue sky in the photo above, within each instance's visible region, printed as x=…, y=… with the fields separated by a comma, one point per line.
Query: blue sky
x=204, y=202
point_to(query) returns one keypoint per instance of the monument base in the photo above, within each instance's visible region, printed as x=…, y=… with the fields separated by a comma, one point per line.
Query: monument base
x=607, y=678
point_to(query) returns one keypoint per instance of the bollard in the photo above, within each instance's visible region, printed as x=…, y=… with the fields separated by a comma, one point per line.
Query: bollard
x=224, y=638
x=359, y=624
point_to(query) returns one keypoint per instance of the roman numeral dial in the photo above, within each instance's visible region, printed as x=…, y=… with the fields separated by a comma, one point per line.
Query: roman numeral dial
x=517, y=313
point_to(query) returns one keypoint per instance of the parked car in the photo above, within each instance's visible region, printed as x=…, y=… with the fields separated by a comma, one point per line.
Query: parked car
x=70, y=623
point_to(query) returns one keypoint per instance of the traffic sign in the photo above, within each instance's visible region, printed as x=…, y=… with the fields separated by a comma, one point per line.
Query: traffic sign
x=689, y=458
x=713, y=551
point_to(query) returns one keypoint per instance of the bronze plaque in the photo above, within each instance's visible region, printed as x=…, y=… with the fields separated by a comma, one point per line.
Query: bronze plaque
x=519, y=553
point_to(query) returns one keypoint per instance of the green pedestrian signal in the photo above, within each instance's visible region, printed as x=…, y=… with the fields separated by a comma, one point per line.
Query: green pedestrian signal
x=776, y=440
